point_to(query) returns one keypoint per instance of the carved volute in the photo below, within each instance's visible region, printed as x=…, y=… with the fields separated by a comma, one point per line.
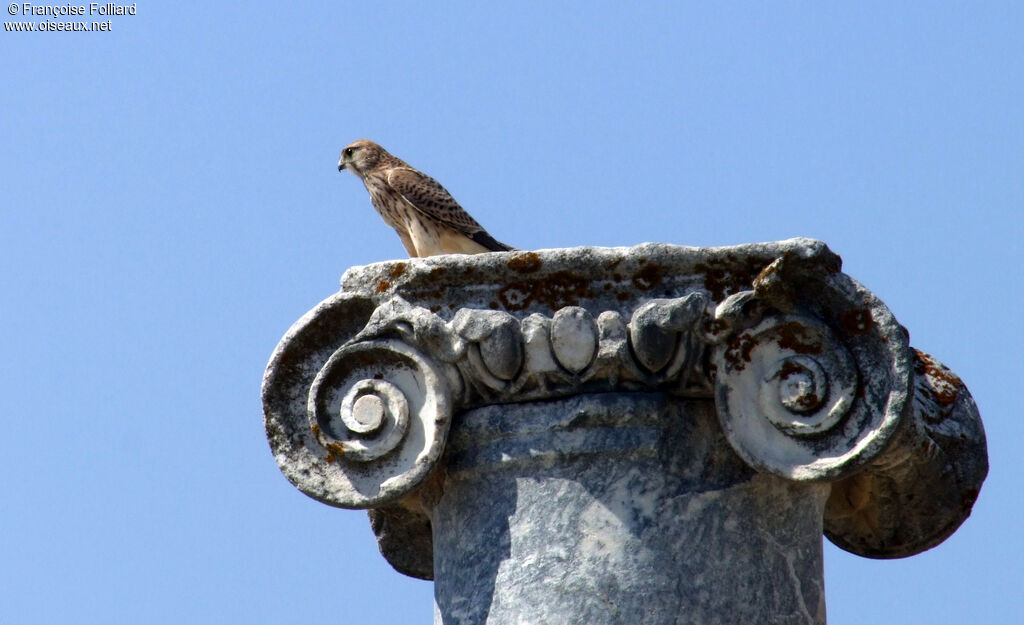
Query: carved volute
x=422, y=371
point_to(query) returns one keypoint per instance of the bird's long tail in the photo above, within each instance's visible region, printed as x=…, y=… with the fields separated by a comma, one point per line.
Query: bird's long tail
x=490, y=242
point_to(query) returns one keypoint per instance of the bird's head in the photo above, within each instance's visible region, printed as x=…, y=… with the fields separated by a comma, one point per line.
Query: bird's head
x=360, y=157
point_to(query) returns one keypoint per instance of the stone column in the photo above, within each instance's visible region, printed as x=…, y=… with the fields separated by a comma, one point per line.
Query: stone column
x=652, y=435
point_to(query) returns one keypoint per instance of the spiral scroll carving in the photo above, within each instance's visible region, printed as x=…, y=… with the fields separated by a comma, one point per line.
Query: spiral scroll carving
x=382, y=410
x=811, y=376
x=810, y=372
x=806, y=389
x=374, y=417
x=791, y=402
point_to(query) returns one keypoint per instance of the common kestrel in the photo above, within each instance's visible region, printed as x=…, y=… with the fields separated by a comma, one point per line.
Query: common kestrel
x=426, y=217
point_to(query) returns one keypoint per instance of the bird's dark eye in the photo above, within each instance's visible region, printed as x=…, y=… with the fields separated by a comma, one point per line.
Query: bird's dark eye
x=348, y=151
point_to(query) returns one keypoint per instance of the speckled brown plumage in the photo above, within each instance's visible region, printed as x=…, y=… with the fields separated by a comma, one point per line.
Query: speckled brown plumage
x=426, y=217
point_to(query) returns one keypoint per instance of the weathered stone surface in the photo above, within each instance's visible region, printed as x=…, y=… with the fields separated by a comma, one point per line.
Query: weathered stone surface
x=619, y=508
x=922, y=488
x=619, y=415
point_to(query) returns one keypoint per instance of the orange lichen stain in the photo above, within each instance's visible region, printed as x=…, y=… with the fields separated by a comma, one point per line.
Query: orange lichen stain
x=795, y=337
x=730, y=275
x=647, y=278
x=857, y=321
x=383, y=285
x=316, y=429
x=715, y=280
x=563, y=289
x=560, y=289
x=397, y=270
x=330, y=457
x=516, y=295
x=737, y=355
x=788, y=368
x=944, y=383
x=769, y=270
x=717, y=326
x=525, y=262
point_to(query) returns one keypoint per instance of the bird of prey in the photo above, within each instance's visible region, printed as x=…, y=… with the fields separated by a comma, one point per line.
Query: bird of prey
x=426, y=217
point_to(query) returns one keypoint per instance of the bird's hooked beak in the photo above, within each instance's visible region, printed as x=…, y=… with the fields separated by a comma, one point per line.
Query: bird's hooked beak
x=341, y=165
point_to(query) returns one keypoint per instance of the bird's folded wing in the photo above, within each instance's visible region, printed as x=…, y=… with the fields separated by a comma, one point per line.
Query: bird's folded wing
x=428, y=197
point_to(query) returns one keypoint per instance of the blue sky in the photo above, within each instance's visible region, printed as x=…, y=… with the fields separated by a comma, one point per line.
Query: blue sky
x=171, y=205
